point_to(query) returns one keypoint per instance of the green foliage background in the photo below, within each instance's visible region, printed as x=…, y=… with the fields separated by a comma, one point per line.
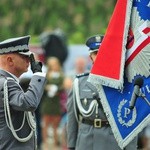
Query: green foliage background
x=77, y=18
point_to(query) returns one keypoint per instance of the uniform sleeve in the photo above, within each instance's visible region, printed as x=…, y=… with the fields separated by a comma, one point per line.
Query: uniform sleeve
x=72, y=125
x=29, y=100
x=132, y=145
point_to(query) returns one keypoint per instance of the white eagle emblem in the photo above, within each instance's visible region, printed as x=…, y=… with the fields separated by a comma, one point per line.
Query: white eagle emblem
x=138, y=47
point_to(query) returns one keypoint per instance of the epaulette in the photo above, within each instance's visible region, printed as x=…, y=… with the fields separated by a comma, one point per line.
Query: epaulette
x=82, y=75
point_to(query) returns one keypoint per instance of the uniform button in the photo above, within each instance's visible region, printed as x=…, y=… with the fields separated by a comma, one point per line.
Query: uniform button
x=39, y=80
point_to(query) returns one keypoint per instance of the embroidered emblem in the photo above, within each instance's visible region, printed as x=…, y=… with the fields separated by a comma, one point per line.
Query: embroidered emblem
x=126, y=117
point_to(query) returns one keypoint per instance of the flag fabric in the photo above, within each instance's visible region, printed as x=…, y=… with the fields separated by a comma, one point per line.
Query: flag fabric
x=108, y=68
x=125, y=122
x=116, y=96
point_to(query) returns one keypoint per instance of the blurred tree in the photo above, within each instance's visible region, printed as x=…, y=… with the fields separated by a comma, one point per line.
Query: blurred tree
x=87, y=17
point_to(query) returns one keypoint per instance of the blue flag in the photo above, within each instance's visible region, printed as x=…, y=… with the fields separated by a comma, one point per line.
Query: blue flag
x=126, y=123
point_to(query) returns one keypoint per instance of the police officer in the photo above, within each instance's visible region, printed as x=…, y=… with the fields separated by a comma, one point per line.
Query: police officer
x=88, y=128
x=17, y=122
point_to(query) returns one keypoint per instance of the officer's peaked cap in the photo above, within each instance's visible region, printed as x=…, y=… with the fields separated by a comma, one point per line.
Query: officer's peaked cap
x=94, y=42
x=19, y=45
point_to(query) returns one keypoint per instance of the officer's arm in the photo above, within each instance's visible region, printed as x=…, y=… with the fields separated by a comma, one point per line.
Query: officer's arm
x=28, y=101
x=72, y=125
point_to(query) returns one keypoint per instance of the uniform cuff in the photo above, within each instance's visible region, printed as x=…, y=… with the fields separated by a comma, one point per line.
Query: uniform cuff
x=42, y=74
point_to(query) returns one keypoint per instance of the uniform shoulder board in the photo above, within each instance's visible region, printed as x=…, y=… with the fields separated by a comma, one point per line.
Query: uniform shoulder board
x=82, y=75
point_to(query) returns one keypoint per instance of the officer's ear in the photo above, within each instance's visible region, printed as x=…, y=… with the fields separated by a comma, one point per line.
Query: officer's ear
x=10, y=60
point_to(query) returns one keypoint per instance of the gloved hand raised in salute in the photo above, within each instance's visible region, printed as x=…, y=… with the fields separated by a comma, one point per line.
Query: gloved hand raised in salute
x=36, y=66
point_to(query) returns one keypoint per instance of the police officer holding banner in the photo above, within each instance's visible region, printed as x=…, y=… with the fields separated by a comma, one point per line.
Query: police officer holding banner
x=17, y=122
x=88, y=128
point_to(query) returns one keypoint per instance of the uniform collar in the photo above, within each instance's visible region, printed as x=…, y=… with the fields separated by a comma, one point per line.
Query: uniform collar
x=6, y=73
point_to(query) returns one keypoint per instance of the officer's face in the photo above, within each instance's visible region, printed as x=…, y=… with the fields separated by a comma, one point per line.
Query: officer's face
x=20, y=63
x=93, y=56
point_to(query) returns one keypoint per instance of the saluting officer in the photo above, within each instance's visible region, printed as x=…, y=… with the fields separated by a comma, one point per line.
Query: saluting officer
x=17, y=122
x=88, y=128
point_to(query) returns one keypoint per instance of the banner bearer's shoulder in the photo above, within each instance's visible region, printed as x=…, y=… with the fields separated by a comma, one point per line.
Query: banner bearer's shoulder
x=82, y=75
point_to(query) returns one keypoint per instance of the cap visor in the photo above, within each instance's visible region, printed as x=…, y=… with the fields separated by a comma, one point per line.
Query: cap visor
x=91, y=51
x=25, y=53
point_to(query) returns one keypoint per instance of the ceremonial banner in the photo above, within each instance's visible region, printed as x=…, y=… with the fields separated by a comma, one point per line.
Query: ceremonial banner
x=108, y=68
x=126, y=123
